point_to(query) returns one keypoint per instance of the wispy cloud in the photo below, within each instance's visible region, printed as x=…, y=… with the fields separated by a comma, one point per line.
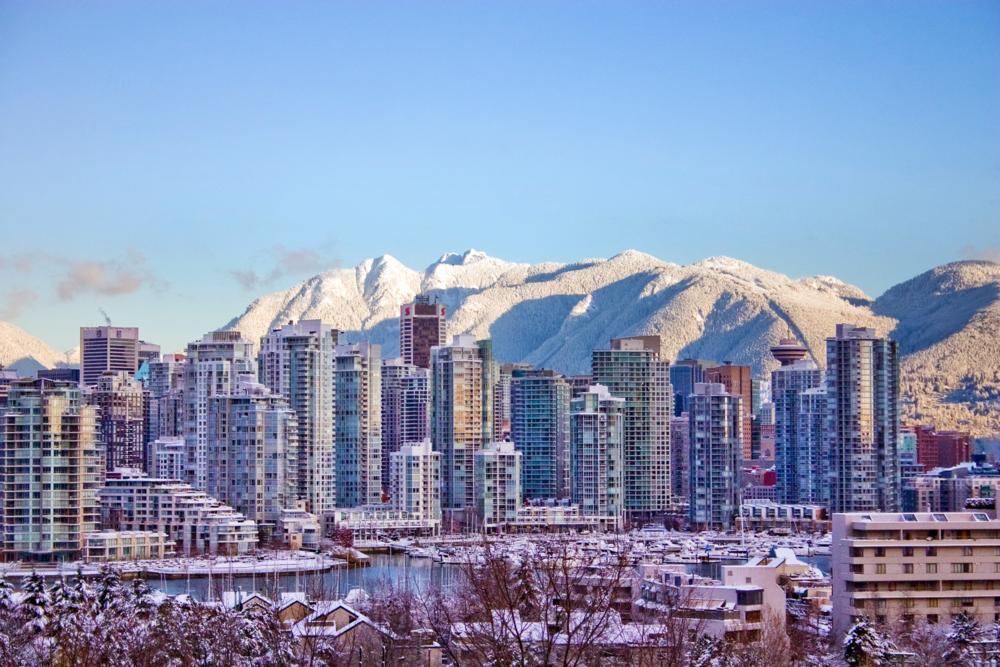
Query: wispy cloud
x=285, y=262
x=14, y=301
x=107, y=278
x=989, y=253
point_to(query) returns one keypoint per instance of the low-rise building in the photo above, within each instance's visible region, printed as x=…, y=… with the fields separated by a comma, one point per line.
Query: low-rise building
x=915, y=566
x=198, y=523
x=118, y=545
x=768, y=515
x=299, y=529
x=367, y=522
x=551, y=517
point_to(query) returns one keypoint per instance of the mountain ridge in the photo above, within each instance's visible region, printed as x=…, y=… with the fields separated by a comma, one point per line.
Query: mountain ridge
x=553, y=314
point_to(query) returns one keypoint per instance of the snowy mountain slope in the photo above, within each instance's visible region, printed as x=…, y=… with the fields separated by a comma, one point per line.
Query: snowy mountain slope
x=949, y=330
x=720, y=308
x=24, y=353
x=554, y=315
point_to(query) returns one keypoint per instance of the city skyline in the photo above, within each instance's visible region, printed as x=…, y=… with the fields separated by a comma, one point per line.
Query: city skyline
x=147, y=179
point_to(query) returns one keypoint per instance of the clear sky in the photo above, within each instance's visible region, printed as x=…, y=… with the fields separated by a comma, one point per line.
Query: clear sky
x=169, y=161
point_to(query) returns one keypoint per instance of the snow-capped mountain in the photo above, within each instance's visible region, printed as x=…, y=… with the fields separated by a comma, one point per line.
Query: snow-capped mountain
x=553, y=315
x=22, y=352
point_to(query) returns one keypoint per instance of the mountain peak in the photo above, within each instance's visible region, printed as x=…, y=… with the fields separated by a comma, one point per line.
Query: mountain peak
x=470, y=256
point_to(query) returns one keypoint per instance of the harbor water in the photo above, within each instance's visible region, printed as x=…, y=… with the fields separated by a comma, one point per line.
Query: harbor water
x=386, y=572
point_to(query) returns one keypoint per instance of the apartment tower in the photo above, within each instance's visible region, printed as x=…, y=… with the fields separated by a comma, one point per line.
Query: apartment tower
x=539, y=408
x=421, y=327
x=631, y=369
x=862, y=391
x=52, y=468
x=359, y=424
x=297, y=361
x=596, y=461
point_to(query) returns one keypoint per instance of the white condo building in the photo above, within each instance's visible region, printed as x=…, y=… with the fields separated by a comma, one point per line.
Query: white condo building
x=214, y=366
x=596, y=467
x=196, y=522
x=253, y=441
x=359, y=425
x=497, y=485
x=415, y=481
x=297, y=361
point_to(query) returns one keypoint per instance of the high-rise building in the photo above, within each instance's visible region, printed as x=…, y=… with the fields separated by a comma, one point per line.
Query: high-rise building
x=579, y=385
x=680, y=452
x=596, y=459
x=501, y=400
x=251, y=454
x=148, y=352
x=942, y=449
x=167, y=458
x=107, y=349
x=684, y=374
x=737, y=380
x=52, y=467
x=862, y=387
x=539, y=408
x=165, y=403
x=415, y=480
x=795, y=464
x=632, y=370
x=121, y=419
x=421, y=327
x=395, y=375
x=715, y=431
x=497, y=488
x=457, y=416
x=491, y=379
x=813, y=445
x=298, y=361
x=215, y=364
x=359, y=424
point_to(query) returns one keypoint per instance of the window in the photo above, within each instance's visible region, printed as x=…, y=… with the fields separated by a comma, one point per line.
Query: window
x=966, y=551
x=907, y=568
x=932, y=619
x=931, y=568
x=932, y=551
x=907, y=551
x=961, y=568
x=909, y=603
x=879, y=552
x=879, y=568
x=932, y=603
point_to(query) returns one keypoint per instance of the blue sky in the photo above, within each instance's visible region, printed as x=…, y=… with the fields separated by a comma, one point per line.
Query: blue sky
x=150, y=153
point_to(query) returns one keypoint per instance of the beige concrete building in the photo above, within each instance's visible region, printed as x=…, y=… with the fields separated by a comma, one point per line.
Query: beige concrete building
x=901, y=567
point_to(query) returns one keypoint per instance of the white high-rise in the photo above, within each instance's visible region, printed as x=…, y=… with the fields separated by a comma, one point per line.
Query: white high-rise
x=596, y=463
x=297, y=361
x=497, y=487
x=359, y=425
x=415, y=480
x=252, y=447
x=405, y=408
x=796, y=464
x=215, y=364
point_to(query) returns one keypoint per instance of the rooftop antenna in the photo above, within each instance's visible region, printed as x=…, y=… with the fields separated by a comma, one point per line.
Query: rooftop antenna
x=107, y=320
